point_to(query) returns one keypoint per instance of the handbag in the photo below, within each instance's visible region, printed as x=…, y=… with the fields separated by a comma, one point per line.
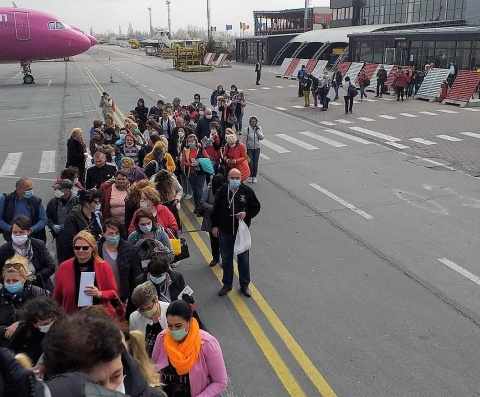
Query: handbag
x=231, y=119
x=180, y=249
x=120, y=309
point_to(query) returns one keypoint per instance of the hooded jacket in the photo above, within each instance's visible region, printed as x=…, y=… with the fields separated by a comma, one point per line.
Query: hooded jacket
x=238, y=153
x=168, y=157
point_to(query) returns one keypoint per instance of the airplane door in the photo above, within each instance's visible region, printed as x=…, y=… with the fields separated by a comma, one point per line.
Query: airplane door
x=22, y=25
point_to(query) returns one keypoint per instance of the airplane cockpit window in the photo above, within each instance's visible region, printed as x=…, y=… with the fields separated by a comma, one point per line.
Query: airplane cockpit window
x=51, y=26
x=59, y=26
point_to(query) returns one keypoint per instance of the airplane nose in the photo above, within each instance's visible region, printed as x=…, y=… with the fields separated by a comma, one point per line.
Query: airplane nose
x=93, y=40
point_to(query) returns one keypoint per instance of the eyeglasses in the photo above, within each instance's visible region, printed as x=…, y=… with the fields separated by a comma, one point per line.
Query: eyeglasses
x=16, y=266
x=81, y=247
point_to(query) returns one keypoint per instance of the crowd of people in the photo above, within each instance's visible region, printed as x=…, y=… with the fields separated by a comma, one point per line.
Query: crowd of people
x=112, y=310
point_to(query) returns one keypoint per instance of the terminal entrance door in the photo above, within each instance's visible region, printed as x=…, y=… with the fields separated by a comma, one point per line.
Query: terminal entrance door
x=396, y=56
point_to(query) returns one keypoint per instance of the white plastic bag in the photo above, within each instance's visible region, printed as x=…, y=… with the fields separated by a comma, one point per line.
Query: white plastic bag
x=243, y=241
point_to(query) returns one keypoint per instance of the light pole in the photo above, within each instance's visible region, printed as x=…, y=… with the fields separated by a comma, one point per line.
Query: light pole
x=151, y=28
x=169, y=20
x=209, y=28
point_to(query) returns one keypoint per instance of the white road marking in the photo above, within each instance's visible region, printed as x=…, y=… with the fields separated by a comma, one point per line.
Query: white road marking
x=264, y=157
x=386, y=99
x=329, y=123
x=252, y=89
x=471, y=109
x=429, y=113
x=280, y=108
x=466, y=201
x=49, y=82
x=432, y=162
x=397, y=145
x=335, y=104
x=151, y=89
x=449, y=138
x=298, y=107
x=279, y=86
x=136, y=81
x=472, y=134
x=386, y=116
x=375, y=134
x=341, y=201
x=357, y=102
x=365, y=119
x=144, y=85
x=343, y=121
x=297, y=142
x=348, y=136
x=322, y=139
x=447, y=111
x=408, y=115
x=266, y=88
x=47, y=164
x=422, y=141
x=372, y=100
x=11, y=163
x=161, y=96
x=292, y=85
x=274, y=147
x=460, y=270
x=421, y=202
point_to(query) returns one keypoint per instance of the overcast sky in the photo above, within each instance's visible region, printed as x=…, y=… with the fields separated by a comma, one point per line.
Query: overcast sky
x=109, y=14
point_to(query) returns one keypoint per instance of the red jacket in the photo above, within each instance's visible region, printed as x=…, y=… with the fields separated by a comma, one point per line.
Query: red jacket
x=187, y=155
x=164, y=218
x=64, y=289
x=239, y=154
x=401, y=80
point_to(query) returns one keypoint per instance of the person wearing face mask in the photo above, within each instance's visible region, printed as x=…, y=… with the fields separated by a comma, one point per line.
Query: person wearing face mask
x=23, y=202
x=121, y=257
x=114, y=195
x=37, y=316
x=131, y=149
x=218, y=92
x=17, y=289
x=149, y=318
x=76, y=151
x=233, y=202
x=120, y=143
x=239, y=110
x=203, y=126
x=86, y=215
x=71, y=173
x=190, y=359
x=173, y=140
x=57, y=211
x=235, y=154
x=212, y=143
x=251, y=137
x=40, y=263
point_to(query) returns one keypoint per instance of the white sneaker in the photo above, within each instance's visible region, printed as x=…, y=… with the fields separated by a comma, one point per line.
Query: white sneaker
x=254, y=180
x=250, y=180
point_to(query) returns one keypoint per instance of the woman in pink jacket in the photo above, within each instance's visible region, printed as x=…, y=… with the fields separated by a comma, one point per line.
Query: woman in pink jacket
x=190, y=359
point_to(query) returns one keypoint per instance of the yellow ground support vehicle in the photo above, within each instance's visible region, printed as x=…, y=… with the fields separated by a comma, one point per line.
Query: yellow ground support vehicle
x=189, y=59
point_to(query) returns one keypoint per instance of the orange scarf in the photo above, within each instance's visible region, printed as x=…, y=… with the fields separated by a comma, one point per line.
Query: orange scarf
x=183, y=355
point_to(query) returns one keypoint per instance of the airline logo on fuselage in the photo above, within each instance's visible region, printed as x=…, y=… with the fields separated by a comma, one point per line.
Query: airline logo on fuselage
x=4, y=20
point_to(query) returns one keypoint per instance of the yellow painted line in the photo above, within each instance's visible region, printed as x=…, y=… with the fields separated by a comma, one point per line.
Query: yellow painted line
x=278, y=365
x=292, y=345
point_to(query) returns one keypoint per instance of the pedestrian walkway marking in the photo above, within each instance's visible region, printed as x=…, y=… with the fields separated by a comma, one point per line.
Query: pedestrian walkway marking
x=472, y=134
x=365, y=119
x=136, y=81
x=408, y=115
x=397, y=145
x=335, y=104
x=329, y=123
x=343, y=121
x=375, y=134
x=144, y=85
x=11, y=163
x=471, y=109
x=131, y=78
x=47, y=164
x=341, y=201
x=280, y=108
x=292, y=85
x=447, y=111
x=252, y=89
x=264, y=157
x=322, y=139
x=297, y=142
x=357, y=102
x=348, y=136
x=151, y=89
x=279, y=86
x=422, y=141
x=385, y=99
x=386, y=116
x=266, y=88
x=460, y=270
x=449, y=138
x=275, y=147
x=429, y=113
x=298, y=107
x=372, y=100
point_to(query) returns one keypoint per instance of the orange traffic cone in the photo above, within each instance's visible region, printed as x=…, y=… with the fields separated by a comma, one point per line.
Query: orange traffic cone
x=111, y=79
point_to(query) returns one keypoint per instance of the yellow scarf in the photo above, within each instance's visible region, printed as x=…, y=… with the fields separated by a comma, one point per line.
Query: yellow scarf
x=183, y=355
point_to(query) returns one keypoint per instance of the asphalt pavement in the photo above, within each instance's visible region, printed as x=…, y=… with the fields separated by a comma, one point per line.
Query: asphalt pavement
x=364, y=258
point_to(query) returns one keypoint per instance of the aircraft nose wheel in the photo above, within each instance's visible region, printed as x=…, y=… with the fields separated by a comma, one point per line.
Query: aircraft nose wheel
x=28, y=79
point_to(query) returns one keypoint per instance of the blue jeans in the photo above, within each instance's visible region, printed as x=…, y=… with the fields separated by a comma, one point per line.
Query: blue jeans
x=226, y=242
x=336, y=88
x=197, y=182
x=362, y=92
x=254, y=155
x=187, y=189
x=315, y=98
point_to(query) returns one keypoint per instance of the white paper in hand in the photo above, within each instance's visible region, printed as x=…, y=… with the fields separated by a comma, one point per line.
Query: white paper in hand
x=187, y=290
x=86, y=279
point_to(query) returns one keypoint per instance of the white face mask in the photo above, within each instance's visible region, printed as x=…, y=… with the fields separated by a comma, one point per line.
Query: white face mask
x=120, y=388
x=208, y=116
x=20, y=240
x=143, y=204
x=231, y=139
x=213, y=132
x=59, y=194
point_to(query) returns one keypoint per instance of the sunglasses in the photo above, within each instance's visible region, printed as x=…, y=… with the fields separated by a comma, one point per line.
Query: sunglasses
x=81, y=247
x=16, y=266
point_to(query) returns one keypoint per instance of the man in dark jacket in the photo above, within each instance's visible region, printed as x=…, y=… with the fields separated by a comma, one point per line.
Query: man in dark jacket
x=121, y=257
x=157, y=110
x=100, y=173
x=173, y=139
x=233, y=202
x=300, y=76
x=203, y=125
x=22, y=202
x=381, y=80
x=58, y=209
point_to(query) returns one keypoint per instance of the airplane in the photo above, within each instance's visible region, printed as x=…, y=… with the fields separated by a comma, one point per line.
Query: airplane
x=28, y=35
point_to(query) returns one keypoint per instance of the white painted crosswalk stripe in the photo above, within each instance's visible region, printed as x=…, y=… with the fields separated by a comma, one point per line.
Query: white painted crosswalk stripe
x=47, y=163
x=292, y=85
x=365, y=119
x=266, y=88
x=397, y=145
x=320, y=138
x=422, y=141
x=329, y=123
x=447, y=111
x=386, y=99
x=471, y=134
x=297, y=142
x=279, y=86
x=408, y=115
x=429, y=113
x=376, y=134
x=335, y=104
x=386, y=116
x=371, y=100
x=472, y=109
x=449, y=138
x=343, y=121
x=460, y=270
x=348, y=136
x=10, y=164
x=264, y=157
x=274, y=147
x=252, y=89
x=298, y=107
x=280, y=108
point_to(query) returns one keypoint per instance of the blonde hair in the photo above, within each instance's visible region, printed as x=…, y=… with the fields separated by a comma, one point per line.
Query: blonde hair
x=20, y=259
x=229, y=131
x=128, y=162
x=136, y=347
x=88, y=237
x=135, y=190
x=77, y=131
x=152, y=194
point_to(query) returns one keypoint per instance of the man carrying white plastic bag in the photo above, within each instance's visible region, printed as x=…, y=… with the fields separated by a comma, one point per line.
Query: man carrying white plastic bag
x=234, y=207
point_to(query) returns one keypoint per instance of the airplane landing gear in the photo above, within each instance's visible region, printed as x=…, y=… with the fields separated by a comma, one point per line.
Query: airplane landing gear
x=27, y=78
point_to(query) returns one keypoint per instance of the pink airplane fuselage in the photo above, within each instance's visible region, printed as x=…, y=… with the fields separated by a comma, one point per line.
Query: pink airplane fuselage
x=30, y=35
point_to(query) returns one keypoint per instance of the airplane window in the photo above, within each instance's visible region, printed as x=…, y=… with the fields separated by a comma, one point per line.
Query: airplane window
x=66, y=26
x=59, y=26
x=51, y=26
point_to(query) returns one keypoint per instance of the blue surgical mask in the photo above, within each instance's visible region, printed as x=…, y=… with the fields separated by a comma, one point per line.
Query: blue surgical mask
x=179, y=334
x=28, y=194
x=156, y=280
x=14, y=288
x=97, y=208
x=234, y=183
x=146, y=228
x=113, y=240
x=192, y=144
x=45, y=328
